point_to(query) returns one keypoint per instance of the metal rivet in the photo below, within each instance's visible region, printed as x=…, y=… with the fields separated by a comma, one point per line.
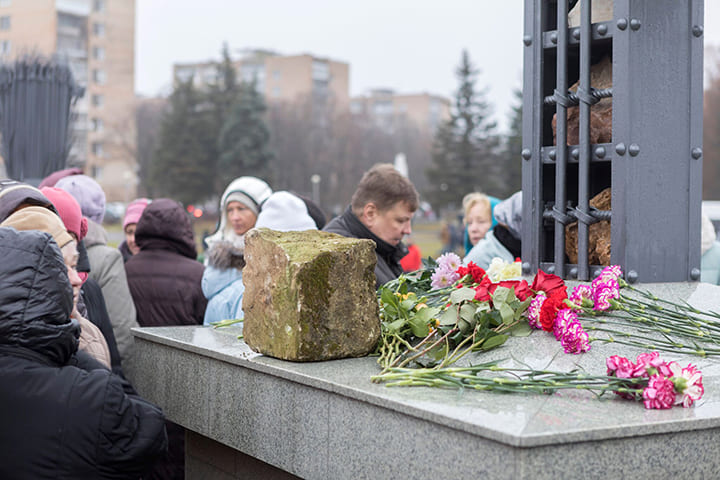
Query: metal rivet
x=595, y=272
x=635, y=24
x=551, y=269
x=622, y=23
x=573, y=273
x=697, y=30
x=600, y=152
x=526, y=267
x=551, y=154
x=632, y=276
x=553, y=37
x=695, y=274
x=634, y=149
x=575, y=153
x=526, y=153
x=696, y=153
x=576, y=34
x=620, y=149
x=602, y=29
x=527, y=40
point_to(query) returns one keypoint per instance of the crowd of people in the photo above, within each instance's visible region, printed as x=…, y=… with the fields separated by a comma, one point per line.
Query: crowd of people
x=68, y=302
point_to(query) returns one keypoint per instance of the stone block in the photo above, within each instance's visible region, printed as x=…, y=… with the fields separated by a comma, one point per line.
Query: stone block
x=309, y=295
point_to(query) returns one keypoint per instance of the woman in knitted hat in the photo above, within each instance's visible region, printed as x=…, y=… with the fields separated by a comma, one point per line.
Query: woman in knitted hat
x=134, y=210
x=91, y=303
x=106, y=263
x=222, y=279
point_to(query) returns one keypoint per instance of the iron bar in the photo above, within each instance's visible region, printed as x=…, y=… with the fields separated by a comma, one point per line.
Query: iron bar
x=584, y=138
x=561, y=88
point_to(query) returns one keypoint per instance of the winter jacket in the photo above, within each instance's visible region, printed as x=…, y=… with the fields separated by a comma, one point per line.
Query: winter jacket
x=164, y=277
x=93, y=342
x=62, y=416
x=125, y=251
x=107, y=269
x=222, y=283
x=388, y=256
x=486, y=249
x=97, y=314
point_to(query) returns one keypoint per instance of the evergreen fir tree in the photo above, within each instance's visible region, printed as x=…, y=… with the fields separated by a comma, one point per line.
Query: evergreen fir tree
x=465, y=149
x=513, y=147
x=179, y=167
x=244, y=139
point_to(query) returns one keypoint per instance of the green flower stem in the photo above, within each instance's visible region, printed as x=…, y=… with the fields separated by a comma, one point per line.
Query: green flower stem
x=427, y=349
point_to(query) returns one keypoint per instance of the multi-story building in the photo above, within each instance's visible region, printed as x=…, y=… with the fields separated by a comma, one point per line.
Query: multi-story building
x=388, y=109
x=285, y=78
x=97, y=39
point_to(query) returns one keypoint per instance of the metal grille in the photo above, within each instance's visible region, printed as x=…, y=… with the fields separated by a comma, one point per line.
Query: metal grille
x=653, y=164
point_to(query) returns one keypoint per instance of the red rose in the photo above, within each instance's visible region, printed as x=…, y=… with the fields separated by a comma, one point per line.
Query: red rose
x=484, y=290
x=522, y=290
x=550, y=307
x=548, y=283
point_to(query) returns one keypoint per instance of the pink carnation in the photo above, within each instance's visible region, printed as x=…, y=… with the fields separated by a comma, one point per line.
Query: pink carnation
x=647, y=364
x=442, y=278
x=563, y=319
x=449, y=261
x=660, y=393
x=611, y=272
x=533, y=311
x=619, y=367
x=603, y=292
x=580, y=293
x=575, y=340
x=688, y=384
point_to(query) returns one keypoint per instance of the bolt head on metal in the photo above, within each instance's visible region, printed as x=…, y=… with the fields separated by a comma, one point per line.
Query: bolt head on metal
x=553, y=37
x=552, y=154
x=696, y=153
x=526, y=153
x=602, y=29
x=634, y=149
x=576, y=34
x=573, y=273
x=575, y=153
x=620, y=149
x=697, y=30
x=632, y=276
x=595, y=272
x=526, y=267
x=527, y=40
x=695, y=274
x=600, y=152
x=635, y=24
x=622, y=23
x=551, y=269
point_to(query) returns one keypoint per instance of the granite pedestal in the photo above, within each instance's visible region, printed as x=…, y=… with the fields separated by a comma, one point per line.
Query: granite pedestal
x=249, y=413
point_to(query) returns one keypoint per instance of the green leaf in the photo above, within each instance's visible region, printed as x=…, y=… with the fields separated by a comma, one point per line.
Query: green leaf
x=396, y=326
x=449, y=317
x=388, y=297
x=467, y=313
x=522, y=307
x=501, y=296
x=506, y=313
x=427, y=314
x=464, y=326
x=418, y=327
x=493, y=342
x=522, y=329
x=407, y=304
x=462, y=295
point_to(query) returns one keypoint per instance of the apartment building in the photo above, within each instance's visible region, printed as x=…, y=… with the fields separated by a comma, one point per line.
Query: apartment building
x=280, y=78
x=387, y=109
x=97, y=39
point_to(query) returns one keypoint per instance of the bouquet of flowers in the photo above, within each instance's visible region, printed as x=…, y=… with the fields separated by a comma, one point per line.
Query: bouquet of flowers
x=436, y=316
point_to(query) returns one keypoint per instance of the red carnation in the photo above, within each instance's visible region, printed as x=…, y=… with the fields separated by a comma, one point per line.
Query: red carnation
x=484, y=290
x=549, y=309
x=473, y=270
x=548, y=283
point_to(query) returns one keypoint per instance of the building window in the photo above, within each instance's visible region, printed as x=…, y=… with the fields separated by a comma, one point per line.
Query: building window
x=97, y=150
x=99, y=76
x=5, y=22
x=183, y=74
x=98, y=100
x=5, y=47
x=276, y=75
x=5, y=3
x=96, y=172
x=99, y=5
x=98, y=53
x=97, y=124
x=320, y=71
x=99, y=29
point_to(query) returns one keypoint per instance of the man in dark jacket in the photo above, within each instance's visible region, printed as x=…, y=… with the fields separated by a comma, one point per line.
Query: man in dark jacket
x=381, y=210
x=164, y=280
x=63, y=414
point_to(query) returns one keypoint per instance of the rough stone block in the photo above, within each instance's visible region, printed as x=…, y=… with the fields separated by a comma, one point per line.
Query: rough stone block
x=309, y=295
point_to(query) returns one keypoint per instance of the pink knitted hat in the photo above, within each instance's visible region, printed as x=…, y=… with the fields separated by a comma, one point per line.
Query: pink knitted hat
x=68, y=209
x=134, y=211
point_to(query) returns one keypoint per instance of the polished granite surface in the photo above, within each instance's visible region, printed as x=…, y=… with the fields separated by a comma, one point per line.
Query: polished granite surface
x=511, y=419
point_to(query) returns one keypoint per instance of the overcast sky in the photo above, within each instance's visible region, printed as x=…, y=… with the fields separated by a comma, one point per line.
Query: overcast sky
x=411, y=46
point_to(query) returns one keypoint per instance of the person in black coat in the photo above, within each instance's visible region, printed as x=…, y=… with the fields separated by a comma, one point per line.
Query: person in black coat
x=381, y=210
x=62, y=414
